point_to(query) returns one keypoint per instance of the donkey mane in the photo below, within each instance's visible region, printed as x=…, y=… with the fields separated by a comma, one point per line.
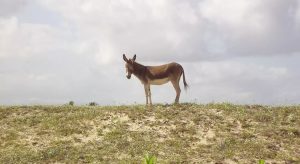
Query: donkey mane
x=139, y=71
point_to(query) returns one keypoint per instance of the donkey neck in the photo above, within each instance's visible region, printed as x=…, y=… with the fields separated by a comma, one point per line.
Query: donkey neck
x=139, y=71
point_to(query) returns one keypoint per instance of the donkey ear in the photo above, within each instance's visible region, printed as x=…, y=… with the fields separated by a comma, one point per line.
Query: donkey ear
x=134, y=57
x=124, y=57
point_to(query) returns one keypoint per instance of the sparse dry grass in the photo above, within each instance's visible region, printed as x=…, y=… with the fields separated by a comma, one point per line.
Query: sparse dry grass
x=185, y=133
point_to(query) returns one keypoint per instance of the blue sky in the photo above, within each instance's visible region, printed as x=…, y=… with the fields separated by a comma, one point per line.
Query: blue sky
x=238, y=51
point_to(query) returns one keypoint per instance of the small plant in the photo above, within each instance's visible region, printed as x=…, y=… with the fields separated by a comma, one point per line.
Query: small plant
x=71, y=103
x=261, y=161
x=150, y=159
x=93, y=104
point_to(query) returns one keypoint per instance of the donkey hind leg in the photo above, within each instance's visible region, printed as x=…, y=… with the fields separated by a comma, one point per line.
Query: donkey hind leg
x=177, y=89
x=146, y=93
x=149, y=95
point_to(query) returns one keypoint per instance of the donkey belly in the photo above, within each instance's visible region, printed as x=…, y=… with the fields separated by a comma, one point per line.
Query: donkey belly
x=159, y=81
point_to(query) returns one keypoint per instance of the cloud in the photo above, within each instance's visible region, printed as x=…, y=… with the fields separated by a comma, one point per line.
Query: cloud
x=240, y=82
x=30, y=39
x=132, y=27
x=297, y=15
x=189, y=30
x=10, y=7
x=238, y=50
x=254, y=27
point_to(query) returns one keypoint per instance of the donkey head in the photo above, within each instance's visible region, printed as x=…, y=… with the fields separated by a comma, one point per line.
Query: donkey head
x=129, y=65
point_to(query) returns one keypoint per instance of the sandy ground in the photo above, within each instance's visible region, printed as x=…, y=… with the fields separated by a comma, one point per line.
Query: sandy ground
x=186, y=134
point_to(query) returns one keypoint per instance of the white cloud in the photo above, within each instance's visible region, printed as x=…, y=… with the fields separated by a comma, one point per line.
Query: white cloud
x=132, y=26
x=239, y=82
x=29, y=40
x=9, y=7
x=236, y=15
x=226, y=71
x=297, y=15
x=237, y=50
x=253, y=27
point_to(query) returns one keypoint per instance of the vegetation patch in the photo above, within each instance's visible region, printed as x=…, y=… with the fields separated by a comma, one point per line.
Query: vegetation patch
x=185, y=133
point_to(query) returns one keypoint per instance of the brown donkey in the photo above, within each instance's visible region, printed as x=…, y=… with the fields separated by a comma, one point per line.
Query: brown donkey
x=156, y=75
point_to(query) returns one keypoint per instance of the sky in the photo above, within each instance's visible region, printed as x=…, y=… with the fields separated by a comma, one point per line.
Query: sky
x=237, y=51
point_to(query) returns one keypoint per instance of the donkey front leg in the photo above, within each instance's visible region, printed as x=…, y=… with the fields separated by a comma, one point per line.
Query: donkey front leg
x=146, y=93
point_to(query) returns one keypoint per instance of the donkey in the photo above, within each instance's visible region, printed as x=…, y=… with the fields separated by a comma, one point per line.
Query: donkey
x=156, y=75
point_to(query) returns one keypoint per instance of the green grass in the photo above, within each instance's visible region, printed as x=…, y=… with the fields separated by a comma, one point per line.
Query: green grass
x=149, y=159
x=184, y=133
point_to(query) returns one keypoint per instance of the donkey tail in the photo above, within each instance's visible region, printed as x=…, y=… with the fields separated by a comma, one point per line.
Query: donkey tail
x=186, y=86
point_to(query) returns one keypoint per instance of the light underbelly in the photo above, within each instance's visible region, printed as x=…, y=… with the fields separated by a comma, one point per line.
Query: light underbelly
x=159, y=81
